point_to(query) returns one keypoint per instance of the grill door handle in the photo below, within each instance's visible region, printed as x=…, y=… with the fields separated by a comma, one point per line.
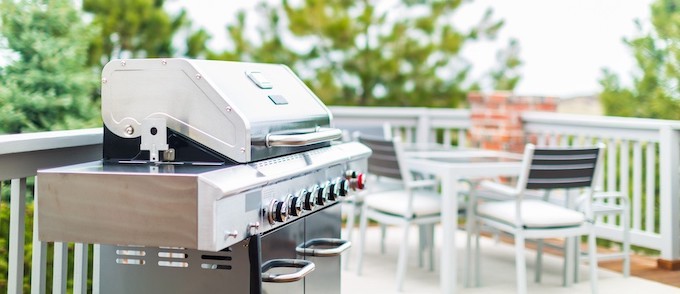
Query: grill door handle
x=305, y=267
x=339, y=246
x=293, y=140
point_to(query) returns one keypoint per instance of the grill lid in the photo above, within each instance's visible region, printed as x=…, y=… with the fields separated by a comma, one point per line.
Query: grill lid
x=235, y=110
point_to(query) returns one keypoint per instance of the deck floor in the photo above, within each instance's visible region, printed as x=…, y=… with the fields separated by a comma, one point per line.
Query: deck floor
x=498, y=270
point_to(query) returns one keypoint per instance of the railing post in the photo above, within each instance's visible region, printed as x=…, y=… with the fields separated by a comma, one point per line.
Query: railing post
x=423, y=128
x=669, y=161
x=17, y=215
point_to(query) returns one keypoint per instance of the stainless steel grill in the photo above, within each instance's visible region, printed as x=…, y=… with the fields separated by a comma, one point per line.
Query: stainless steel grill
x=215, y=176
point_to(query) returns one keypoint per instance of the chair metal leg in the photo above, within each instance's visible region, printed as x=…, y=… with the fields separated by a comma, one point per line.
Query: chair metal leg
x=568, y=273
x=422, y=245
x=592, y=253
x=362, y=241
x=383, y=233
x=520, y=264
x=477, y=270
x=349, y=226
x=403, y=259
x=539, y=261
x=430, y=245
x=577, y=259
x=469, y=227
x=626, y=238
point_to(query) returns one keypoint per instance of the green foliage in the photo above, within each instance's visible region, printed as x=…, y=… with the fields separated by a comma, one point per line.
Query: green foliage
x=362, y=53
x=654, y=93
x=48, y=86
x=132, y=29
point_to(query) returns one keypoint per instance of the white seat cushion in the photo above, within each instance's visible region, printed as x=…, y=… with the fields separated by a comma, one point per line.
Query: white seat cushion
x=396, y=202
x=535, y=214
x=488, y=194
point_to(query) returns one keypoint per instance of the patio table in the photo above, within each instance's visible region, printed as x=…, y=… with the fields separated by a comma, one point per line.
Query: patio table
x=451, y=165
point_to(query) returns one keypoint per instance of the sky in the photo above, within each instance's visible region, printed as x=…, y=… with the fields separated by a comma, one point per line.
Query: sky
x=564, y=44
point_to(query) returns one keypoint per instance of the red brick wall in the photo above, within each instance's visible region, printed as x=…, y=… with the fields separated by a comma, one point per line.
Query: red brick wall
x=496, y=120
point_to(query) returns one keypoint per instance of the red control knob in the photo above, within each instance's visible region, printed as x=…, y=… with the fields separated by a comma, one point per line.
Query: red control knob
x=361, y=181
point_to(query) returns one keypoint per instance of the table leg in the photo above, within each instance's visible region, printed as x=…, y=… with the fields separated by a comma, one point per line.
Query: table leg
x=448, y=277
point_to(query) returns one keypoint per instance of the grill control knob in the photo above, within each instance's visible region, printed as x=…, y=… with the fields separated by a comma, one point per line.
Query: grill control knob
x=322, y=194
x=333, y=190
x=361, y=181
x=278, y=211
x=308, y=198
x=350, y=174
x=343, y=187
x=295, y=205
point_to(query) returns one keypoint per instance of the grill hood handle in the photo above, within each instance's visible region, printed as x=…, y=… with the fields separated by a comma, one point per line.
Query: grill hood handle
x=305, y=267
x=304, y=139
x=337, y=247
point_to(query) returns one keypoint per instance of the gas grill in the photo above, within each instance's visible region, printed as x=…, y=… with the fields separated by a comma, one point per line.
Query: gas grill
x=216, y=177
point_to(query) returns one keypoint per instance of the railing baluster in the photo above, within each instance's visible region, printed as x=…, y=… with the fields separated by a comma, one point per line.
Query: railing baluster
x=624, y=169
x=17, y=216
x=541, y=139
x=409, y=135
x=447, y=138
x=60, y=270
x=650, y=185
x=39, y=261
x=611, y=171
x=80, y=269
x=553, y=139
x=637, y=185
x=462, y=138
x=600, y=177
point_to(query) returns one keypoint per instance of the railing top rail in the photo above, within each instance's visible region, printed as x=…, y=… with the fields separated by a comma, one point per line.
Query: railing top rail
x=361, y=111
x=27, y=142
x=405, y=116
x=600, y=121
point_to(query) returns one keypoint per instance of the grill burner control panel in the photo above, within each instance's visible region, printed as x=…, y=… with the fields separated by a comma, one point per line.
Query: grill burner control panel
x=285, y=201
x=306, y=200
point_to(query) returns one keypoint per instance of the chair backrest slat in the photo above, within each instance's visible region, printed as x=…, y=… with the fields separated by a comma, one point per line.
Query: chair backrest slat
x=383, y=162
x=560, y=168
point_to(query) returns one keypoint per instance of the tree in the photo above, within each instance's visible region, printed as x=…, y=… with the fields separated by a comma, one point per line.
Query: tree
x=406, y=53
x=655, y=92
x=47, y=86
x=132, y=29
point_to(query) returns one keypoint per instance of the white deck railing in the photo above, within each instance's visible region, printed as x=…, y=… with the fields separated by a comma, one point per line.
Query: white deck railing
x=642, y=161
x=20, y=157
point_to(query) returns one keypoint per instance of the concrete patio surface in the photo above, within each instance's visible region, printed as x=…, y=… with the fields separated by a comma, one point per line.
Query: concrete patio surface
x=498, y=270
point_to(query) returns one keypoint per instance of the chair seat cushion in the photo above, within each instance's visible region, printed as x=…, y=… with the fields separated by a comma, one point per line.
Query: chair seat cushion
x=488, y=194
x=395, y=202
x=535, y=214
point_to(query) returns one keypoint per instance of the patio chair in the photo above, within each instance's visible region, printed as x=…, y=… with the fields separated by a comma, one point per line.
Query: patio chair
x=377, y=181
x=545, y=169
x=418, y=203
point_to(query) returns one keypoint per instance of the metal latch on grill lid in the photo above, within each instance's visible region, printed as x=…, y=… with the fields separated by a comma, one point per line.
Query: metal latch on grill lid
x=154, y=137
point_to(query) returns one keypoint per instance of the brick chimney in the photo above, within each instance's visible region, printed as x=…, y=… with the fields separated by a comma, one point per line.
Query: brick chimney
x=496, y=119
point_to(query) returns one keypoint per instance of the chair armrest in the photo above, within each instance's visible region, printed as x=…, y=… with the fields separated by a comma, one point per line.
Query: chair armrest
x=499, y=188
x=422, y=183
x=601, y=195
